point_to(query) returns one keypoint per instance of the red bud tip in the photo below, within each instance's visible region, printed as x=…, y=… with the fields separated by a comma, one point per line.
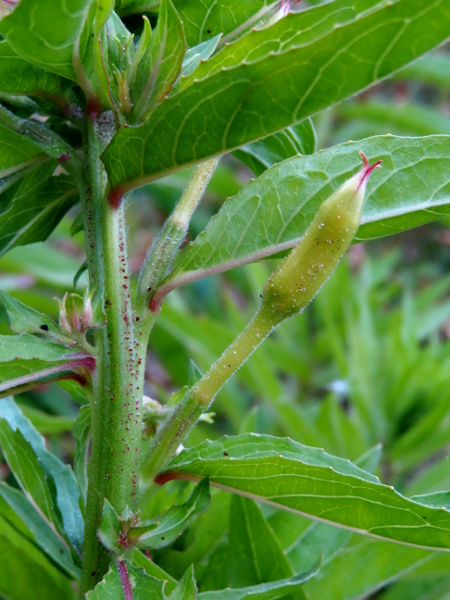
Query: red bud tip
x=367, y=169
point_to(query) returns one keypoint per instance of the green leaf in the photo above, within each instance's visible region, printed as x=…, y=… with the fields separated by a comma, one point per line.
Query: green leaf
x=130, y=7
x=365, y=566
x=33, y=205
x=25, y=571
x=18, y=76
x=138, y=559
x=271, y=214
x=109, y=529
x=20, y=513
x=46, y=423
x=64, y=486
x=27, y=470
x=16, y=153
x=26, y=360
x=81, y=432
x=266, y=86
x=46, y=34
x=195, y=55
x=24, y=319
x=298, y=139
x=265, y=591
x=255, y=555
x=206, y=19
x=139, y=585
x=158, y=61
x=163, y=531
x=308, y=481
x=186, y=589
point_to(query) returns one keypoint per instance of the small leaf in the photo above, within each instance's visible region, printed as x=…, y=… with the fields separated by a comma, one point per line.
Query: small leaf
x=158, y=61
x=139, y=586
x=312, y=483
x=186, y=589
x=194, y=56
x=24, y=319
x=110, y=528
x=138, y=559
x=164, y=530
x=46, y=35
x=16, y=153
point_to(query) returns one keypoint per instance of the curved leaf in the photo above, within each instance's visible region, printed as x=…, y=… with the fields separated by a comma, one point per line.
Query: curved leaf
x=271, y=214
x=250, y=99
x=310, y=482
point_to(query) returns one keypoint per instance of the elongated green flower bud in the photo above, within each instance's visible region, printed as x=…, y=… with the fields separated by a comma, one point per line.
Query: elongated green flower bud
x=301, y=275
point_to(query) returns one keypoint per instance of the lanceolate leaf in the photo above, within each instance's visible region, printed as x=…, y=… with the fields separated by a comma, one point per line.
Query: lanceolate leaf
x=16, y=152
x=225, y=108
x=306, y=480
x=271, y=214
x=24, y=319
x=186, y=589
x=16, y=509
x=18, y=76
x=63, y=483
x=45, y=33
x=164, y=530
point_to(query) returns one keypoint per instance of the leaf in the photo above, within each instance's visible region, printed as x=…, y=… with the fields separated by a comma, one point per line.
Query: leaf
x=24, y=319
x=271, y=214
x=138, y=559
x=257, y=92
x=298, y=139
x=194, y=56
x=130, y=7
x=16, y=153
x=204, y=20
x=33, y=206
x=18, y=76
x=63, y=482
x=26, y=361
x=255, y=555
x=163, y=531
x=310, y=482
x=81, y=433
x=20, y=513
x=139, y=585
x=159, y=58
x=27, y=470
x=265, y=591
x=349, y=577
x=46, y=34
x=26, y=571
x=186, y=589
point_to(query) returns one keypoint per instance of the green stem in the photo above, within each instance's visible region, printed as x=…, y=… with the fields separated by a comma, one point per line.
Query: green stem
x=200, y=397
x=115, y=409
x=171, y=237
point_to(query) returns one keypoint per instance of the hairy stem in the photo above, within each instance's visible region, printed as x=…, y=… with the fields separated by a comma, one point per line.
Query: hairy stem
x=115, y=408
x=199, y=398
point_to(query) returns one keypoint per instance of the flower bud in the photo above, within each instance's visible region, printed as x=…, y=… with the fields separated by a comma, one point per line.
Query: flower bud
x=301, y=275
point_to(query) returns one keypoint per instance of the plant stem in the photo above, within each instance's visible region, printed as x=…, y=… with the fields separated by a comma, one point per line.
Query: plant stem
x=171, y=237
x=199, y=398
x=115, y=409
